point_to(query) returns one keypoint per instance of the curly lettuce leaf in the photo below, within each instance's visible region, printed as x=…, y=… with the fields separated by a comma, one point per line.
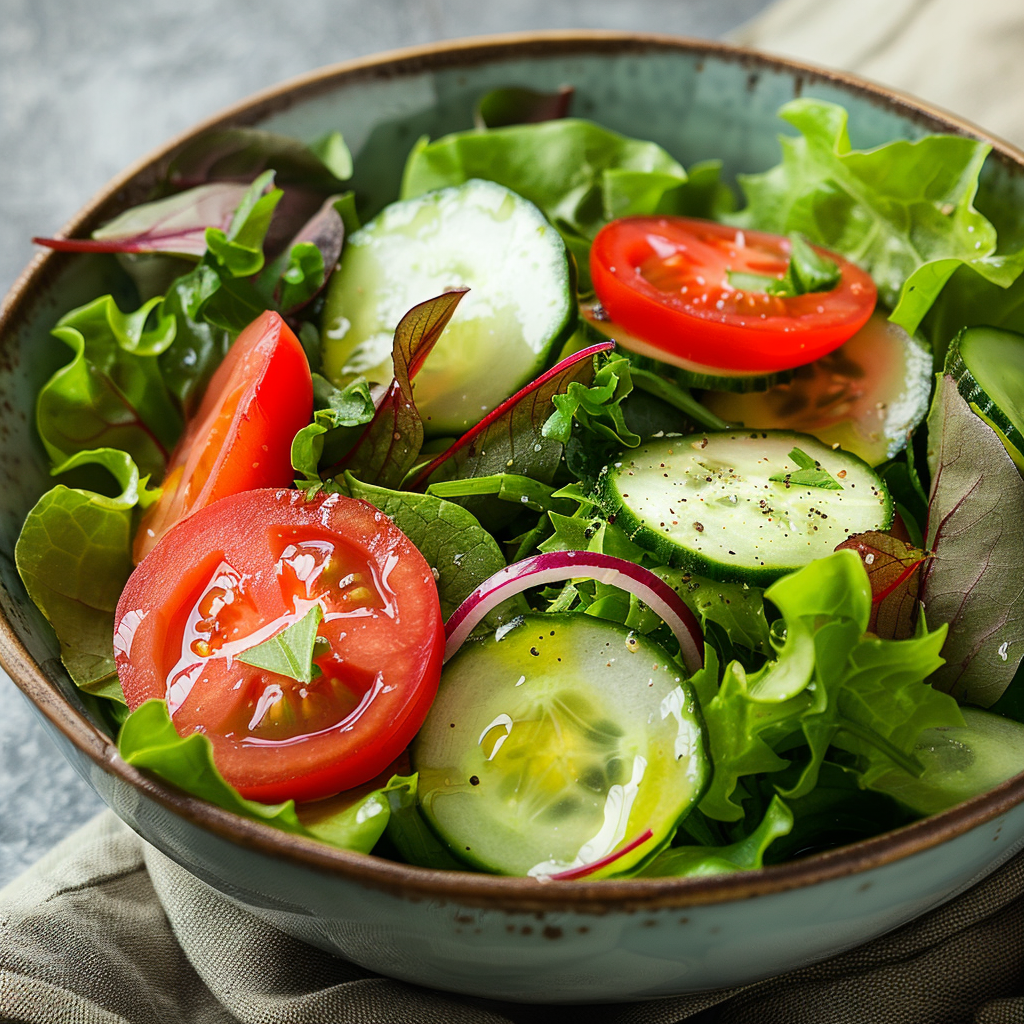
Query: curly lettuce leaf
x=74, y=557
x=596, y=408
x=745, y=855
x=832, y=684
x=973, y=581
x=338, y=413
x=149, y=740
x=903, y=211
x=111, y=394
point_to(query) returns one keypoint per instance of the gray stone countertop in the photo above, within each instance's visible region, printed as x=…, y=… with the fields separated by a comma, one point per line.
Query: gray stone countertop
x=86, y=89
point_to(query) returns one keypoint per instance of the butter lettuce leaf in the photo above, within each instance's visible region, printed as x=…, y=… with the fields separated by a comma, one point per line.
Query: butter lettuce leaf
x=149, y=740
x=74, y=556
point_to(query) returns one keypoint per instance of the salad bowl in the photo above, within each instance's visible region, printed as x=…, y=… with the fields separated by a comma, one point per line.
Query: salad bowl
x=500, y=937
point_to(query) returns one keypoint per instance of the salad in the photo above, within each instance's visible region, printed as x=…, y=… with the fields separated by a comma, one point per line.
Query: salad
x=575, y=515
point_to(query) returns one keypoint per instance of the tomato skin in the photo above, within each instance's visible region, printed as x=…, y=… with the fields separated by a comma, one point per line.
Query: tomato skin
x=665, y=280
x=240, y=437
x=273, y=737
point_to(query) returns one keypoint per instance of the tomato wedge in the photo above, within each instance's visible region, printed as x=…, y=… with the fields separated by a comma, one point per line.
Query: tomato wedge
x=240, y=438
x=238, y=572
x=665, y=280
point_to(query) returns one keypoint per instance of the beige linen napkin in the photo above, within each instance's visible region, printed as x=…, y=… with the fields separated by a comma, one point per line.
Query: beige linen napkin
x=964, y=55
x=105, y=930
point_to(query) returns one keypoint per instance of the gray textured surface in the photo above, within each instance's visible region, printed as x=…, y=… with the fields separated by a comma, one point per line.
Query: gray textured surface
x=87, y=88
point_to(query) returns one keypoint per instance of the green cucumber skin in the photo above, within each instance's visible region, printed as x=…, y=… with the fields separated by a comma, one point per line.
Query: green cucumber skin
x=671, y=553
x=435, y=734
x=971, y=391
x=738, y=385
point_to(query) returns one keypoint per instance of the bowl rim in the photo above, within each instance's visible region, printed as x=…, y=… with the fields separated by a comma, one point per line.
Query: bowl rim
x=466, y=887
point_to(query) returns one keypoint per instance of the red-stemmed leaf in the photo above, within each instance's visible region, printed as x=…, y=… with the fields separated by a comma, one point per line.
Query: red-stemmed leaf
x=518, y=105
x=175, y=225
x=325, y=230
x=388, y=447
x=510, y=439
x=894, y=570
x=973, y=581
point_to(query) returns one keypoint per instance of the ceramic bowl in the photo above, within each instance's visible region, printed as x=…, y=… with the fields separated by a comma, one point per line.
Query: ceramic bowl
x=500, y=937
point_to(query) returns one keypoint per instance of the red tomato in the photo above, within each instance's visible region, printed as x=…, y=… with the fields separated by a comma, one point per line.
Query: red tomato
x=665, y=280
x=240, y=437
x=238, y=572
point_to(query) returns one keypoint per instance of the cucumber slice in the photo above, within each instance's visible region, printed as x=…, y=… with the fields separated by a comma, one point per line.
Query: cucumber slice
x=554, y=744
x=691, y=375
x=866, y=396
x=959, y=762
x=709, y=503
x=520, y=304
x=987, y=364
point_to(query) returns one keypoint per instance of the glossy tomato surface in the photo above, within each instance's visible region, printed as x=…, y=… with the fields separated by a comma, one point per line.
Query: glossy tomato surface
x=238, y=572
x=240, y=438
x=666, y=281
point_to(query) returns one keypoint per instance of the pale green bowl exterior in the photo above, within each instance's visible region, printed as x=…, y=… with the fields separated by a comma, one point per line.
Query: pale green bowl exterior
x=503, y=938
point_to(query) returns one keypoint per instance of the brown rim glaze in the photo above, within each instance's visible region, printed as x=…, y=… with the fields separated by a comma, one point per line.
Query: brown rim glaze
x=508, y=894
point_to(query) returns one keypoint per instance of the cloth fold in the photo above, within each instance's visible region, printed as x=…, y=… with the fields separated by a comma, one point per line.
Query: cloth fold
x=107, y=930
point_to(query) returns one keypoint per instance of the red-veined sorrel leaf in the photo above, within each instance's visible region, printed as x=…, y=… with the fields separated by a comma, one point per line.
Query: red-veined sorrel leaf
x=510, y=439
x=974, y=579
x=175, y=225
x=388, y=447
x=517, y=105
x=894, y=570
x=326, y=232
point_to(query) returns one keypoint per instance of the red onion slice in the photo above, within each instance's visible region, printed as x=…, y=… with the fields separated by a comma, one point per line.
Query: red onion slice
x=556, y=566
x=595, y=865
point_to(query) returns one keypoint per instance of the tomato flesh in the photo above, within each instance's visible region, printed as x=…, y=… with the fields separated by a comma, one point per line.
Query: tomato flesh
x=240, y=437
x=666, y=281
x=238, y=572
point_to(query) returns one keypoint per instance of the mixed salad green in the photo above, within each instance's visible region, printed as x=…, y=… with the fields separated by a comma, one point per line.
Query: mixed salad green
x=845, y=664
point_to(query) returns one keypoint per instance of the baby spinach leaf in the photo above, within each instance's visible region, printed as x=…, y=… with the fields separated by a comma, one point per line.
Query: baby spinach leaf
x=455, y=545
x=973, y=581
x=149, y=740
x=241, y=154
x=290, y=652
x=745, y=855
x=388, y=448
x=903, y=211
x=112, y=393
x=518, y=105
x=74, y=556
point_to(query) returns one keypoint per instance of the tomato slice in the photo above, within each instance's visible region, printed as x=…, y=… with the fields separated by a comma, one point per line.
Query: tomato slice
x=239, y=571
x=240, y=438
x=666, y=281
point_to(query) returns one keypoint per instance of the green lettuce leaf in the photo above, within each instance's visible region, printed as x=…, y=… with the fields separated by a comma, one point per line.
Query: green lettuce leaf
x=560, y=166
x=149, y=740
x=745, y=855
x=74, y=556
x=596, y=408
x=112, y=393
x=832, y=684
x=903, y=211
x=337, y=415
x=290, y=652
